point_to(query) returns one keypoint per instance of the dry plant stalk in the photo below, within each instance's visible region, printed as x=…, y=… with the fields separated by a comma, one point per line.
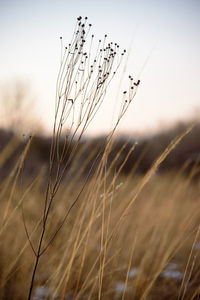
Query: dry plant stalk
x=81, y=86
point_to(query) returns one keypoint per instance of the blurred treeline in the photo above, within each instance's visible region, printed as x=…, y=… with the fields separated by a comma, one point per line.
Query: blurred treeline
x=18, y=113
x=185, y=156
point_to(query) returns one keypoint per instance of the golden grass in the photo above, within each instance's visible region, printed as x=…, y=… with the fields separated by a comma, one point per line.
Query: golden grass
x=106, y=238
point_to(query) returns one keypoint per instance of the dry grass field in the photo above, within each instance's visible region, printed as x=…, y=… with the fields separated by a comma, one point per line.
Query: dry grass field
x=126, y=237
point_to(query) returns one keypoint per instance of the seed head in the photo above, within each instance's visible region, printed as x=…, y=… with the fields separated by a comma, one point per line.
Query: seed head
x=137, y=83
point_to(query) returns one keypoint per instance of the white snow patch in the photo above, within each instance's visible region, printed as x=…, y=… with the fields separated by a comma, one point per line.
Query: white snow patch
x=41, y=292
x=172, y=274
x=133, y=272
x=120, y=286
x=197, y=246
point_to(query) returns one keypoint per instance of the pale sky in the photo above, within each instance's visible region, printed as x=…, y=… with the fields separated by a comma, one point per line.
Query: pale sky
x=162, y=37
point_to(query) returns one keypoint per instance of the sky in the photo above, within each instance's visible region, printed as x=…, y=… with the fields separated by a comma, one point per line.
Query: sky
x=162, y=41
